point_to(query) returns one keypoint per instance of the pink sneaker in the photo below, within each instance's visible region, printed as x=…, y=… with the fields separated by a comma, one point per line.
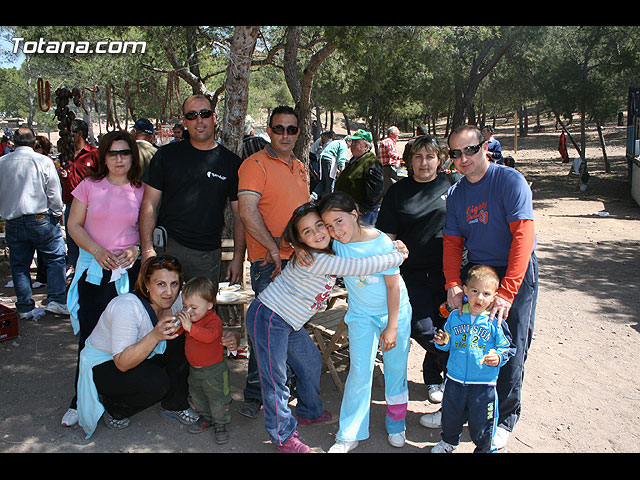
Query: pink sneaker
x=325, y=419
x=293, y=445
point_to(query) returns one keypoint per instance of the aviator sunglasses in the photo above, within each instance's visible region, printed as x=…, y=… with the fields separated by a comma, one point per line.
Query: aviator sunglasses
x=279, y=129
x=192, y=115
x=468, y=151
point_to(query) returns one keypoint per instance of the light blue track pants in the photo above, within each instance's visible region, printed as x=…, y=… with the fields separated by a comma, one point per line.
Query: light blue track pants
x=364, y=336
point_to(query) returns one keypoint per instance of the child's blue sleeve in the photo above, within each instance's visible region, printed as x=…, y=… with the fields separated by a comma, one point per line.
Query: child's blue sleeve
x=503, y=342
x=447, y=329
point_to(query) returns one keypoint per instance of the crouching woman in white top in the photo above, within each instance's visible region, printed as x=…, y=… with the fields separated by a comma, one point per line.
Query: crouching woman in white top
x=134, y=358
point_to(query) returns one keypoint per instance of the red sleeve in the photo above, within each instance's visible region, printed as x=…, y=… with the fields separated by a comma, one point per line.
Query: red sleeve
x=452, y=248
x=521, y=247
x=208, y=329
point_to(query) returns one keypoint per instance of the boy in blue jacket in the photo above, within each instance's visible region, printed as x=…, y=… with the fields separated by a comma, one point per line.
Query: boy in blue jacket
x=477, y=349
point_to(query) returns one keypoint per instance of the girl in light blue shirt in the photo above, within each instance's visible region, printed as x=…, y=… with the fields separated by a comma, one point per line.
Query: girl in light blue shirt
x=379, y=316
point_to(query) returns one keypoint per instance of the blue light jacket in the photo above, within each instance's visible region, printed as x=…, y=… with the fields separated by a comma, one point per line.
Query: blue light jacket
x=469, y=341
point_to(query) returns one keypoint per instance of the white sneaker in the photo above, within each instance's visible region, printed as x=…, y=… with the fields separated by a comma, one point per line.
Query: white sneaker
x=431, y=420
x=435, y=393
x=70, y=418
x=342, y=446
x=500, y=438
x=36, y=313
x=443, y=447
x=57, y=308
x=396, y=439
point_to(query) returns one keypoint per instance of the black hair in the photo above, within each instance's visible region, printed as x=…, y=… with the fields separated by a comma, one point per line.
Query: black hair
x=283, y=110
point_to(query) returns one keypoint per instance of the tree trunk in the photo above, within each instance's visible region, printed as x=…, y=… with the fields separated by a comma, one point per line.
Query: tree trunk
x=237, y=97
x=301, y=90
x=465, y=91
x=237, y=86
x=607, y=166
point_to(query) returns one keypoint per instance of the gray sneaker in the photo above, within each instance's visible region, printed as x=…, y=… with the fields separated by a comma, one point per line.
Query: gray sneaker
x=35, y=313
x=443, y=447
x=186, y=417
x=57, y=308
x=115, y=423
x=431, y=420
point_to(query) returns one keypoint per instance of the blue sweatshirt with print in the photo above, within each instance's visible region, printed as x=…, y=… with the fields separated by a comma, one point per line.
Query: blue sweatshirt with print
x=469, y=341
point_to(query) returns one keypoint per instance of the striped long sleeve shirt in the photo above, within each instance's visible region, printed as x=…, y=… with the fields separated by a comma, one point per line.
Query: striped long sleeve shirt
x=298, y=292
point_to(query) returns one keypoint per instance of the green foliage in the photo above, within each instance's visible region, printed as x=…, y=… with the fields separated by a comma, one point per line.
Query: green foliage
x=377, y=72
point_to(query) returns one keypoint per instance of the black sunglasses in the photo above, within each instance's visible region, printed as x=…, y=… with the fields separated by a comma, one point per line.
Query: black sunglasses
x=122, y=153
x=192, y=115
x=279, y=129
x=468, y=151
x=162, y=259
x=305, y=207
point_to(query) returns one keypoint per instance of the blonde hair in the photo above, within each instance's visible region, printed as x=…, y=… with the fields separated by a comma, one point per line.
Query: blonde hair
x=482, y=273
x=202, y=287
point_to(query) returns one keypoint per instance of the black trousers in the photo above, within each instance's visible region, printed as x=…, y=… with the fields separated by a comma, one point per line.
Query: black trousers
x=426, y=294
x=161, y=378
x=92, y=300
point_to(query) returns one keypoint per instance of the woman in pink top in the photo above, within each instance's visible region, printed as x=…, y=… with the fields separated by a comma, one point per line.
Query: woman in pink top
x=104, y=223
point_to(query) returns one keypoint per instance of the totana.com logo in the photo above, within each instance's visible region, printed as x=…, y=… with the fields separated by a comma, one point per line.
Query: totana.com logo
x=52, y=47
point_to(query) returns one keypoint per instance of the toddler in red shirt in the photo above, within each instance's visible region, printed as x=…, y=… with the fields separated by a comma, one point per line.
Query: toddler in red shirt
x=208, y=371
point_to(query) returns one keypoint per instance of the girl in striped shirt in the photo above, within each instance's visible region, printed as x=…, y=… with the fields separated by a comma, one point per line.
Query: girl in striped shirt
x=276, y=318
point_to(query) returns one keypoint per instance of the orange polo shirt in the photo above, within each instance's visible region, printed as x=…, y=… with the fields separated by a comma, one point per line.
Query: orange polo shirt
x=281, y=189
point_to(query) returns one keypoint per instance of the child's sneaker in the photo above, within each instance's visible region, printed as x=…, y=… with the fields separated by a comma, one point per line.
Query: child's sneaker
x=326, y=418
x=293, y=445
x=200, y=426
x=343, y=446
x=396, y=439
x=221, y=433
x=443, y=447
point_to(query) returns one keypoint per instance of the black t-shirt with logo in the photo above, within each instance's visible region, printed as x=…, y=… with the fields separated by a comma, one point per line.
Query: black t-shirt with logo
x=195, y=186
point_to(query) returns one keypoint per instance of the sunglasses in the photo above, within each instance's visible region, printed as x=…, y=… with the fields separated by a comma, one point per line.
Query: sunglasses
x=279, y=129
x=192, y=115
x=304, y=208
x=115, y=153
x=468, y=151
x=159, y=259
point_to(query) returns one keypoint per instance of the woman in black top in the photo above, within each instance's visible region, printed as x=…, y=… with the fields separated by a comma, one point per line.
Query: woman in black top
x=413, y=210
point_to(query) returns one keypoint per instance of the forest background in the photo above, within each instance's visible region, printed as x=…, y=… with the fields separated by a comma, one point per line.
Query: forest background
x=376, y=75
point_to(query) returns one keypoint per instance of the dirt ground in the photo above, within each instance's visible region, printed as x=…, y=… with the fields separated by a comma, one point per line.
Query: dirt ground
x=581, y=387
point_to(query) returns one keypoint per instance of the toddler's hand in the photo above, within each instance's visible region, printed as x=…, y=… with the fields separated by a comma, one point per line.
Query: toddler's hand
x=491, y=359
x=441, y=337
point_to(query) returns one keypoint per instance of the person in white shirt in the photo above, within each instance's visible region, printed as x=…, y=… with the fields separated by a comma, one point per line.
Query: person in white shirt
x=31, y=204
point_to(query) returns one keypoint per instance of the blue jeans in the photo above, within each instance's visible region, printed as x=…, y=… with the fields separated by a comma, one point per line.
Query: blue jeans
x=24, y=236
x=72, y=249
x=520, y=321
x=370, y=218
x=260, y=278
x=275, y=344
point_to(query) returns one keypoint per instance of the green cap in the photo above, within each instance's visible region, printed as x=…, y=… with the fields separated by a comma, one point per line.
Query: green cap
x=361, y=134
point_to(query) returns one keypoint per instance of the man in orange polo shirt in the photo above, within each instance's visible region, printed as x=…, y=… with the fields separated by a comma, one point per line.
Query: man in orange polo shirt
x=272, y=183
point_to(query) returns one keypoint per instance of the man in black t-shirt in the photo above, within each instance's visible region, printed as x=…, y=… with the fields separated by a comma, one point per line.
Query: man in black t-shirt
x=187, y=186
